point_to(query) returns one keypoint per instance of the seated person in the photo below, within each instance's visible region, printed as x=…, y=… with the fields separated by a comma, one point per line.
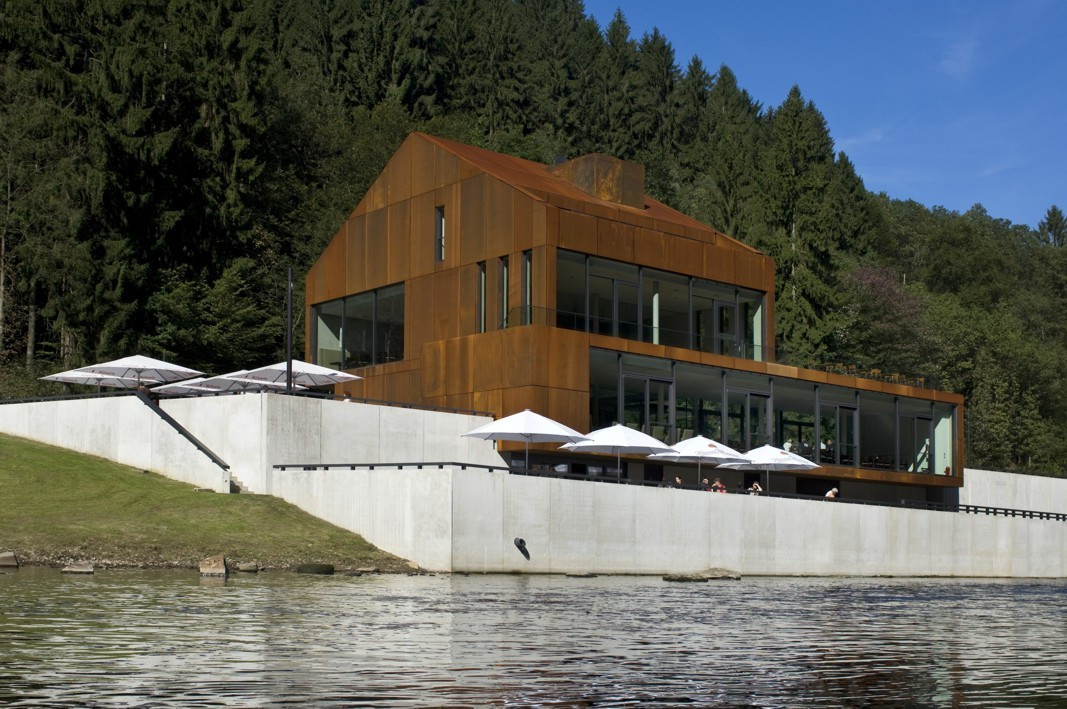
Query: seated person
x=718, y=486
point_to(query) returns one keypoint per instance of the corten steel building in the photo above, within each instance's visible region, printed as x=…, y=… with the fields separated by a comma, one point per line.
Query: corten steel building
x=474, y=280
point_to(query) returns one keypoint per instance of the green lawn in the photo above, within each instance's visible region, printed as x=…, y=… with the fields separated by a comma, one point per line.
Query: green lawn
x=57, y=506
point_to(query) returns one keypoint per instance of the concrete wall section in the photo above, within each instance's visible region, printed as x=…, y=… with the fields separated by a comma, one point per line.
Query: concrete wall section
x=1018, y=492
x=405, y=511
x=575, y=527
x=118, y=428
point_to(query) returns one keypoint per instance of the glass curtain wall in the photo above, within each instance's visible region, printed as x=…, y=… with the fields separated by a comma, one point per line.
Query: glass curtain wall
x=827, y=424
x=609, y=297
x=360, y=330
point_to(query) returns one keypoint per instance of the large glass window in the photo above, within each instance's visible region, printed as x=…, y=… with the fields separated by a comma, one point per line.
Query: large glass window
x=664, y=308
x=329, y=318
x=389, y=324
x=370, y=326
x=677, y=400
x=439, y=233
x=359, y=330
x=624, y=300
x=698, y=401
x=479, y=325
x=527, y=287
x=570, y=290
x=502, y=286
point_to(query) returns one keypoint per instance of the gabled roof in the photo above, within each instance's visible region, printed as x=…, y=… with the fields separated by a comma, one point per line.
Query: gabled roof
x=537, y=180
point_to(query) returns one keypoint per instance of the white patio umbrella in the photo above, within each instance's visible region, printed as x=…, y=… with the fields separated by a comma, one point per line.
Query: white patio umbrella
x=141, y=368
x=619, y=439
x=768, y=457
x=186, y=386
x=699, y=449
x=75, y=376
x=526, y=426
x=236, y=381
x=305, y=374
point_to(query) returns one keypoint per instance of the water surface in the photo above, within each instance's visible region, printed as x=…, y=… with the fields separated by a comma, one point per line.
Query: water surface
x=170, y=637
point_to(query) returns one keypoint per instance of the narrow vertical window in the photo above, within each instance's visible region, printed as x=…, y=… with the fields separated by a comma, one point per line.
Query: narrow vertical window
x=502, y=291
x=481, y=296
x=527, y=287
x=439, y=232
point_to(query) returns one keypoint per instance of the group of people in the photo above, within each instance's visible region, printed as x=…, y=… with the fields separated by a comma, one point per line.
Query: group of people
x=719, y=486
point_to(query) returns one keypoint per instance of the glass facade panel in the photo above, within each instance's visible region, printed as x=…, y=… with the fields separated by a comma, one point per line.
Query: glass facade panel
x=328, y=321
x=370, y=325
x=623, y=300
x=389, y=334
x=664, y=308
x=502, y=287
x=603, y=388
x=359, y=330
x=570, y=290
x=943, y=439
x=677, y=400
x=698, y=401
x=794, y=406
x=750, y=304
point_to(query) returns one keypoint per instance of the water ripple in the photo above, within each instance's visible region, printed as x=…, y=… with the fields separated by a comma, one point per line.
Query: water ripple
x=122, y=638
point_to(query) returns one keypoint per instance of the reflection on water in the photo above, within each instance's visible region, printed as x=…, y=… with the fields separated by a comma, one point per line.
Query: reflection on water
x=168, y=637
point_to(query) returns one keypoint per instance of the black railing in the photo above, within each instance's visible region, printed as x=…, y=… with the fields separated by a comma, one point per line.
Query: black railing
x=68, y=397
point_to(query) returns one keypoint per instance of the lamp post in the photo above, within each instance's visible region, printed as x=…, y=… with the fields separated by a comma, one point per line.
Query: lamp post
x=289, y=333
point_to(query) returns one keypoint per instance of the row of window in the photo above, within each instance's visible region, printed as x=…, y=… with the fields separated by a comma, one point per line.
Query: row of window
x=827, y=424
x=359, y=330
x=621, y=299
x=504, y=317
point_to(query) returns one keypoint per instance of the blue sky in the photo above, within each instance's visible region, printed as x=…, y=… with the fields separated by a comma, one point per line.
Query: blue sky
x=946, y=103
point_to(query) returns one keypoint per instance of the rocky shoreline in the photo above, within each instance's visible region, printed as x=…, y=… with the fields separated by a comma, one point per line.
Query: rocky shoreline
x=64, y=559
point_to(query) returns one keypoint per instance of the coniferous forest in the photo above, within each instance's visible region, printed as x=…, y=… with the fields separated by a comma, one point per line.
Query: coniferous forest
x=165, y=162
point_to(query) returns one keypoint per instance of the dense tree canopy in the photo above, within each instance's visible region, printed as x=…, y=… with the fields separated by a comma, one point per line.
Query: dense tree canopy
x=164, y=162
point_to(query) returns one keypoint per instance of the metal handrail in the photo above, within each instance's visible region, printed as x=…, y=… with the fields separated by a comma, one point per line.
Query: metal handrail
x=169, y=420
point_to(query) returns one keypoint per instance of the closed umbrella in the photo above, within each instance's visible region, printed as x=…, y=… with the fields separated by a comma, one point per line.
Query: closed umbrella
x=699, y=449
x=619, y=439
x=526, y=426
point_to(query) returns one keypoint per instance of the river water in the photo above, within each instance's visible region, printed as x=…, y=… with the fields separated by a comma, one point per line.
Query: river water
x=171, y=638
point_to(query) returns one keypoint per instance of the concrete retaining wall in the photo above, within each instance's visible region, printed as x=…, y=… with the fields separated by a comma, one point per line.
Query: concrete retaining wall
x=451, y=518
x=573, y=527
x=1018, y=492
x=456, y=519
x=254, y=432
x=118, y=428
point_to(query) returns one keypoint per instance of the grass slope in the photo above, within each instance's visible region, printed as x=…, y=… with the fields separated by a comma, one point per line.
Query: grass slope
x=59, y=506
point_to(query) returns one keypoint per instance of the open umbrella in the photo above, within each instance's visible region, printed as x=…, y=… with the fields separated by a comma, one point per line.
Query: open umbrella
x=699, y=449
x=141, y=368
x=305, y=374
x=526, y=426
x=768, y=457
x=236, y=381
x=186, y=386
x=75, y=376
x=619, y=439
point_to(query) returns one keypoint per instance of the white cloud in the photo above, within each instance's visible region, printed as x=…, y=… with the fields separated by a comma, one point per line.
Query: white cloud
x=871, y=135
x=959, y=57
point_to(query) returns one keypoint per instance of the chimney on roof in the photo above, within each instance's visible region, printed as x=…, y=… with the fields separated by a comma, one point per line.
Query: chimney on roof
x=605, y=177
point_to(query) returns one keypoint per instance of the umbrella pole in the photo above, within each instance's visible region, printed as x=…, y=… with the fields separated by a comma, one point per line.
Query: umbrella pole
x=527, y=455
